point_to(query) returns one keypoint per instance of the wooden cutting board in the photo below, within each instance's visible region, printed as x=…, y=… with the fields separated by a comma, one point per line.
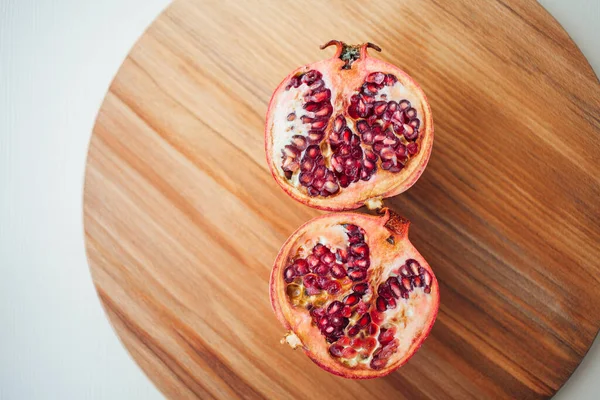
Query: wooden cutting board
x=183, y=219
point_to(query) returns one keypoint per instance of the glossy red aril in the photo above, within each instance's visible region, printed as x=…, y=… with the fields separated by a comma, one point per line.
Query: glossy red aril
x=385, y=300
x=348, y=131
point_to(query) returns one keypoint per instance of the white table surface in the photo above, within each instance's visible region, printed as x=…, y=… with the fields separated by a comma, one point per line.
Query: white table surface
x=57, y=58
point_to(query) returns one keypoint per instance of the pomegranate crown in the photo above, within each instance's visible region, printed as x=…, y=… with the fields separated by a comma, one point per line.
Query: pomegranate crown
x=350, y=53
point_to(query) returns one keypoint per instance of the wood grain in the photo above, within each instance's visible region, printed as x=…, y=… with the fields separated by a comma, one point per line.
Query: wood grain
x=183, y=220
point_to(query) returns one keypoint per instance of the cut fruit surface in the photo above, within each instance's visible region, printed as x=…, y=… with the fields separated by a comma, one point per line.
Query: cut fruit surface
x=347, y=131
x=355, y=293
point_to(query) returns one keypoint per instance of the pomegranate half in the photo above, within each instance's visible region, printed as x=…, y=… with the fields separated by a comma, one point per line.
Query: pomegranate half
x=347, y=131
x=354, y=293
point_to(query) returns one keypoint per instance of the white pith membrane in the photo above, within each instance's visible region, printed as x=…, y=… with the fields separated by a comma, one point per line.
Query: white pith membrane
x=390, y=141
x=375, y=327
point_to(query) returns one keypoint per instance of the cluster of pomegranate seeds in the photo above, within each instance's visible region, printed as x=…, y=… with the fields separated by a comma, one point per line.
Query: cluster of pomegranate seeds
x=333, y=286
x=317, y=104
x=410, y=276
x=385, y=134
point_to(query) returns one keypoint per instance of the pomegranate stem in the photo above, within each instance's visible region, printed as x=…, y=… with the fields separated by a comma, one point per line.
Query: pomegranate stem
x=350, y=53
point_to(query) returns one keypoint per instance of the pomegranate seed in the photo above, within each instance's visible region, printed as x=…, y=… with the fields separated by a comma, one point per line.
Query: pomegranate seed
x=387, y=153
x=344, y=181
x=322, y=282
x=353, y=331
x=325, y=111
x=328, y=258
x=378, y=363
x=377, y=317
x=301, y=267
x=346, y=135
x=404, y=271
x=427, y=290
x=376, y=77
x=351, y=299
x=315, y=136
x=310, y=280
x=388, y=350
x=329, y=329
x=316, y=85
x=401, y=151
x=370, y=89
x=336, y=350
x=386, y=335
x=312, y=290
x=410, y=133
x=413, y=266
x=339, y=123
x=415, y=123
x=317, y=313
x=391, y=302
x=291, y=151
x=357, y=274
x=362, y=126
x=349, y=352
x=357, y=343
x=299, y=141
x=377, y=147
x=394, y=286
x=322, y=270
x=291, y=117
x=404, y=104
x=410, y=113
x=338, y=272
x=312, y=261
x=307, y=165
x=412, y=148
x=323, y=322
x=289, y=274
x=319, y=124
x=384, y=291
x=380, y=304
x=426, y=276
x=347, y=311
x=334, y=307
x=305, y=178
x=320, y=250
x=360, y=249
x=362, y=108
x=353, y=111
x=294, y=82
x=290, y=165
x=318, y=95
x=417, y=281
x=362, y=308
x=345, y=341
x=336, y=321
x=312, y=107
x=361, y=288
x=387, y=164
x=390, y=80
x=312, y=192
x=369, y=344
x=372, y=330
x=406, y=283
x=379, y=108
x=370, y=156
x=333, y=287
x=311, y=76
x=313, y=151
x=364, y=320
x=367, y=137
